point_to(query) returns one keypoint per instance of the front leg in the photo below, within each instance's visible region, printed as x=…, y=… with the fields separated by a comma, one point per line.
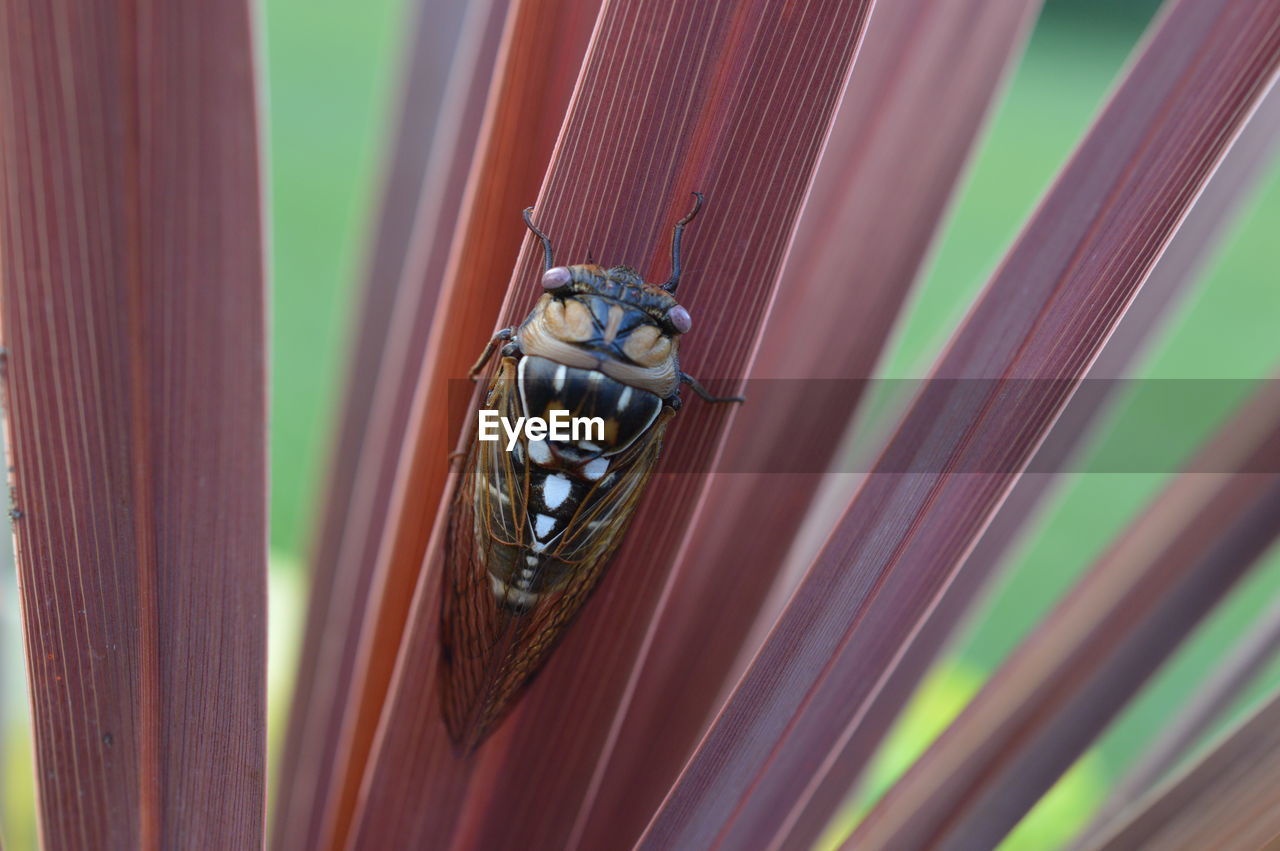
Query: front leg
x=702, y=391
x=502, y=336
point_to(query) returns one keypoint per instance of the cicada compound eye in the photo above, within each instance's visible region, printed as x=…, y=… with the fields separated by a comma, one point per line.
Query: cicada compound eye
x=556, y=277
x=680, y=319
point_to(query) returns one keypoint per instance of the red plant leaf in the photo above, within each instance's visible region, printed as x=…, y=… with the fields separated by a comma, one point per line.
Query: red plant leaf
x=1236, y=671
x=471, y=263
x=1225, y=801
x=691, y=104
x=914, y=104
x=1177, y=268
x=400, y=300
x=133, y=316
x=1059, y=689
x=962, y=443
x=422, y=98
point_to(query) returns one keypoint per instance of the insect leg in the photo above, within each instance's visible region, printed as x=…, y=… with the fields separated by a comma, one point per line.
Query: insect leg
x=503, y=335
x=674, y=280
x=702, y=391
x=546, y=241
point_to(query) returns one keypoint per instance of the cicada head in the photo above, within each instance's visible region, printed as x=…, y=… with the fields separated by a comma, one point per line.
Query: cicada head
x=610, y=320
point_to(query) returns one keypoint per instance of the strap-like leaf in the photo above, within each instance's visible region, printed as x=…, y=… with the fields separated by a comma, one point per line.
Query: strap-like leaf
x=1059, y=689
x=1225, y=801
x=445, y=91
x=734, y=101
x=895, y=153
x=1006, y=375
x=132, y=282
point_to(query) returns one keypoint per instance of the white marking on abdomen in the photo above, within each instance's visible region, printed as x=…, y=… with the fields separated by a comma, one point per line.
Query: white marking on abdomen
x=514, y=595
x=561, y=374
x=593, y=470
x=539, y=451
x=624, y=399
x=555, y=490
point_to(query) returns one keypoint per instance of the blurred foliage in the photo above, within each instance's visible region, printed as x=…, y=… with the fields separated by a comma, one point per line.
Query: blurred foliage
x=1225, y=329
x=286, y=615
x=941, y=697
x=331, y=69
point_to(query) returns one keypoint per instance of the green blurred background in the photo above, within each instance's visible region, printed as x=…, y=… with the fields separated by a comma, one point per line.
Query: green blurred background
x=331, y=71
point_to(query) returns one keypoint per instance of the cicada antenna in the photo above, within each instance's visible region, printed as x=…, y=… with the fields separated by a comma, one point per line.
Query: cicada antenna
x=674, y=280
x=546, y=241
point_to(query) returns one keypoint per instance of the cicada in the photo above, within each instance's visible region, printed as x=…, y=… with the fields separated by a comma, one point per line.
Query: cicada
x=533, y=527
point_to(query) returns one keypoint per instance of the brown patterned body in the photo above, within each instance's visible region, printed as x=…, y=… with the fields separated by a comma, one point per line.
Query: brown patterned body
x=533, y=526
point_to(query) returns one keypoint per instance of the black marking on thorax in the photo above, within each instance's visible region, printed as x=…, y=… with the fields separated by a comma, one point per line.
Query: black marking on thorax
x=627, y=411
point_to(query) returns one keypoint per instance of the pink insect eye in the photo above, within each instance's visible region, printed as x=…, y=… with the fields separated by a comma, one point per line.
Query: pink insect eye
x=555, y=278
x=680, y=318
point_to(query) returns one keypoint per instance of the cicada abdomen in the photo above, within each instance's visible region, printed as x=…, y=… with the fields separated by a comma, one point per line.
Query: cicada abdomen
x=533, y=526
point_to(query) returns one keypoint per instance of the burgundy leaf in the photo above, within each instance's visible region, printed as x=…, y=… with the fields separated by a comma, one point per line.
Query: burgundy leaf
x=1236, y=671
x=1226, y=801
x=1177, y=267
x=1004, y=378
x=667, y=103
x=1060, y=688
x=131, y=275
x=345, y=573
x=470, y=264
x=899, y=142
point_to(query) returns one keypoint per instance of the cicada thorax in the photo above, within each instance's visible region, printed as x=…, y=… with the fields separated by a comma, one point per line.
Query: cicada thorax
x=532, y=528
x=610, y=326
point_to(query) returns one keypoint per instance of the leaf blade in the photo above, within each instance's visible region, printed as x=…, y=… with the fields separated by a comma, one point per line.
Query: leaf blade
x=899, y=142
x=530, y=90
x=1225, y=800
x=1047, y=311
x=134, y=315
x=401, y=298
x=1176, y=269
x=1058, y=690
x=617, y=191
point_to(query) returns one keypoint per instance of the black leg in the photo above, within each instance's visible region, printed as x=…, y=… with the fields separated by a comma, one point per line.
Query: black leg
x=674, y=280
x=546, y=241
x=702, y=391
x=503, y=335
